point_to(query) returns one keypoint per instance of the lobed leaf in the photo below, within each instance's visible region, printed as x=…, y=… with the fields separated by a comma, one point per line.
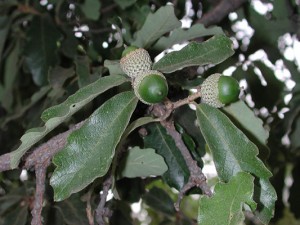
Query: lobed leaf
x=142, y=163
x=58, y=114
x=156, y=25
x=180, y=35
x=213, y=51
x=233, y=152
x=231, y=149
x=90, y=149
x=225, y=206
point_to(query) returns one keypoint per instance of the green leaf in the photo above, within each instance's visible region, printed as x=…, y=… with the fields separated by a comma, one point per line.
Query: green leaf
x=82, y=70
x=58, y=75
x=73, y=211
x=265, y=196
x=58, y=114
x=232, y=196
x=10, y=74
x=250, y=122
x=213, y=51
x=69, y=44
x=41, y=48
x=124, y=4
x=33, y=100
x=233, y=152
x=137, y=123
x=90, y=149
x=231, y=149
x=113, y=66
x=186, y=117
x=178, y=174
x=142, y=163
x=180, y=35
x=4, y=28
x=156, y=25
x=159, y=200
x=91, y=9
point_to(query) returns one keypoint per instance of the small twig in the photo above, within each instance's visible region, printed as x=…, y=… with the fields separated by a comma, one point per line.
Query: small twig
x=5, y=162
x=222, y=9
x=89, y=213
x=102, y=212
x=36, y=212
x=170, y=106
x=28, y=9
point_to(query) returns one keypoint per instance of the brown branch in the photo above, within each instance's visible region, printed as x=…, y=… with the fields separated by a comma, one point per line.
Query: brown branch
x=220, y=11
x=5, y=162
x=89, y=212
x=102, y=212
x=197, y=178
x=36, y=212
x=40, y=158
x=43, y=154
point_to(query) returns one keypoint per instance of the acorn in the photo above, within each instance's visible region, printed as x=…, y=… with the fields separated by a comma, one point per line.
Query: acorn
x=135, y=61
x=218, y=90
x=150, y=87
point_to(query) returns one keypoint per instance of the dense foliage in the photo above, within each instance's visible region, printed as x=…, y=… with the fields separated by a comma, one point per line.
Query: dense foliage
x=73, y=132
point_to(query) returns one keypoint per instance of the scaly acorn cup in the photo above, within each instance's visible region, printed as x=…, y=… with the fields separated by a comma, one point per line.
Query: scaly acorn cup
x=150, y=87
x=218, y=90
x=135, y=61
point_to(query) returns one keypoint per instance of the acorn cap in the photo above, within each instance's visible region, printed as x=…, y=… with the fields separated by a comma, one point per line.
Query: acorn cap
x=150, y=87
x=218, y=90
x=135, y=61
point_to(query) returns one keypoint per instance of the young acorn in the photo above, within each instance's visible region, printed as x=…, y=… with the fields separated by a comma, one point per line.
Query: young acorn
x=135, y=61
x=218, y=90
x=150, y=87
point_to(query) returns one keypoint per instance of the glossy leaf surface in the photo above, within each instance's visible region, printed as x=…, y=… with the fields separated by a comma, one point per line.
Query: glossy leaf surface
x=213, y=51
x=180, y=35
x=177, y=174
x=90, y=149
x=57, y=114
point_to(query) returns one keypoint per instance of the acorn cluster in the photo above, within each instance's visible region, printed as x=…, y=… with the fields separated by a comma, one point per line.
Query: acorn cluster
x=151, y=87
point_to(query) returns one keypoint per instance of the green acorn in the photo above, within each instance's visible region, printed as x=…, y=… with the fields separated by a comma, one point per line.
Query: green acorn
x=218, y=90
x=150, y=87
x=135, y=61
